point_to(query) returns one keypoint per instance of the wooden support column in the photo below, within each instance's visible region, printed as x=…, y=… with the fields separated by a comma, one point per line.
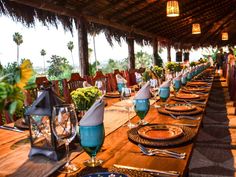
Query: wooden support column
x=131, y=57
x=83, y=46
x=168, y=52
x=155, y=51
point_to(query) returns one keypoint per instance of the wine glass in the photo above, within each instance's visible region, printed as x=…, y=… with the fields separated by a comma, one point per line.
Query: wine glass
x=176, y=85
x=125, y=96
x=91, y=139
x=101, y=85
x=64, y=125
x=164, y=93
x=141, y=107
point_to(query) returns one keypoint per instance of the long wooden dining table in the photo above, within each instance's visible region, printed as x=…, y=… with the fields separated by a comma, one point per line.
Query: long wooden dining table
x=117, y=149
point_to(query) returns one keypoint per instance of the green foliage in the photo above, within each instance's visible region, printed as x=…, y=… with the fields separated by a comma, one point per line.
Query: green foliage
x=14, y=71
x=93, y=68
x=203, y=60
x=70, y=45
x=146, y=76
x=193, y=64
x=114, y=64
x=178, y=67
x=170, y=66
x=18, y=38
x=85, y=97
x=159, y=61
x=59, y=68
x=143, y=59
x=213, y=54
x=158, y=71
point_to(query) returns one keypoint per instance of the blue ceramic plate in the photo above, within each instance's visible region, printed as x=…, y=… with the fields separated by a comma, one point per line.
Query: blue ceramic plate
x=106, y=174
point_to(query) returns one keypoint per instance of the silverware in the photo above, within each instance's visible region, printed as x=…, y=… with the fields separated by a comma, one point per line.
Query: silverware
x=183, y=117
x=156, y=172
x=196, y=102
x=5, y=127
x=160, y=150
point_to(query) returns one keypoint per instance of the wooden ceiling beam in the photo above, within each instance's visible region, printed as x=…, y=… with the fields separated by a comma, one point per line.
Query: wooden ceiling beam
x=88, y=4
x=196, y=13
x=108, y=7
x=129, y=7
x=75, y=14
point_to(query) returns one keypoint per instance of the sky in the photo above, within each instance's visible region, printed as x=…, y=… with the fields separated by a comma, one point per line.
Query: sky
x=54, y=41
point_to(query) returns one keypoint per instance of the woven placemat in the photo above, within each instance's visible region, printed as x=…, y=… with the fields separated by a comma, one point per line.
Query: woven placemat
x=201, y=98
x=21, y=125
x=188, y=135
x=193, y=91
x=129, y=173
x=180, y=113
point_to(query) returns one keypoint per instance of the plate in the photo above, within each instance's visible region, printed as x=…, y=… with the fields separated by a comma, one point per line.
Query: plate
x=113, y=95
x=106, y=174
x=160, y=132
x=180, y=107
x=194, y=89
x=197, y=84
x=187, y=96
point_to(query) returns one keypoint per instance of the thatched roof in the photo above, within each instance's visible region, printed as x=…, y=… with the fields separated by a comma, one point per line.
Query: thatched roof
x=143, y=19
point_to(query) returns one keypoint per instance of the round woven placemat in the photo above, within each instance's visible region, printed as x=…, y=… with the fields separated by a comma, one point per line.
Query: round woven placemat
x=180, y=113
x=20, y=124
x=187, y=136
x=202, y=98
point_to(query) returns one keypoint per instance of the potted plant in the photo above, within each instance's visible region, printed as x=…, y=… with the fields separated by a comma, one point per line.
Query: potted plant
x=84, y=98
x=158, y=72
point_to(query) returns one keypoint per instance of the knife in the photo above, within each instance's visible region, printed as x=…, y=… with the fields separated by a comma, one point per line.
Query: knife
x=156, y=172
x=11, y=128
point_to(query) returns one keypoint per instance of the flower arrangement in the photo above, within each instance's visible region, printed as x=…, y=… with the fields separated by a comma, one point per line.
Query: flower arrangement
x=158, y=71
x=85, y=97
x=203, y=60
x=193, y=64
x=170, y=66
x=12, y=86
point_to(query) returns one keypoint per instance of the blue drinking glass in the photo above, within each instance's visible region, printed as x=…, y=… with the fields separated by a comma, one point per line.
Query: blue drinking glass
x=177, y=85
x=183, y=80
x=164, y=93
x=141, y=107
x=120, y=86
x=91, y=139
x=189, y=76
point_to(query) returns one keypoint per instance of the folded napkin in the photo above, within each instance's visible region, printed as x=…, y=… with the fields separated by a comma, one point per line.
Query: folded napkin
x=86, y=84
x=144, y=92
x=120, y=79
x=185, y=74
x=94, y=116
x=166, y=84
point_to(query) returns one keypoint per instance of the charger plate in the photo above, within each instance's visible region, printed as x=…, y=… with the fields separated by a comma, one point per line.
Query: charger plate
x=181, y=113
x=188, y=135
x=180, y=107
x=112, y=95
x=187, y=96
x=160, y=132
x=201, y=98
x=194, y=89
x=198, y=83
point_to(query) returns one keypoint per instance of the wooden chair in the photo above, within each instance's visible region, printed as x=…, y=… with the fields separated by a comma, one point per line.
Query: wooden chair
x=42, y=81
x=99, y=76
x=76, y=81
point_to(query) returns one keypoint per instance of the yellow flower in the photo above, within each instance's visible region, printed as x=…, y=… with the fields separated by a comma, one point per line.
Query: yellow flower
x=25, y=73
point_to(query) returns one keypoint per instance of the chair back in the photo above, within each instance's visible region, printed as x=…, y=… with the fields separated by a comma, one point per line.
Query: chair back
x=42, y=81
x=76, y=81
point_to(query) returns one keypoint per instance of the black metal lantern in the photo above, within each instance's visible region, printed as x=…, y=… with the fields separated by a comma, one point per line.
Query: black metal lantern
x=39, y=116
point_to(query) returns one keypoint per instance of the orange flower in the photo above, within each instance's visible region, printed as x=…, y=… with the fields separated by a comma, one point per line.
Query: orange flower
x=25, y=73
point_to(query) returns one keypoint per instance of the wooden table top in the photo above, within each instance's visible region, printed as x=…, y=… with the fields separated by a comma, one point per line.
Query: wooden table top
x=117, y=149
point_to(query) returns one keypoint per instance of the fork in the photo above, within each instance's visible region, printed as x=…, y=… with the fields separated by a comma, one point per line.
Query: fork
x=161, y=151
x=184, y=117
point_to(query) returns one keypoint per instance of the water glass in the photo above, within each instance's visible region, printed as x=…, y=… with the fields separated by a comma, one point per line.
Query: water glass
x=91, y=139
x=141, y=107
x=164, y=93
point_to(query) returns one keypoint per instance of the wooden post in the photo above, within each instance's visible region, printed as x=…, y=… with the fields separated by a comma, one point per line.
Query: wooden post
x=83, y=46
x=168, y=52
x=155, y=51
x=131, y=57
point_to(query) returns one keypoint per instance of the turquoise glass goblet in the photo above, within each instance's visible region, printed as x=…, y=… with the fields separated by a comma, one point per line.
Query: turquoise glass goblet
x=141, y=107
x=177, y=85
x=120, y=86
x=184, y=80
x=91, y=139
x=164, y=93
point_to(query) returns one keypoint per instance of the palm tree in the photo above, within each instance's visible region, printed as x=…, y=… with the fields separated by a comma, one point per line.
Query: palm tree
x=18, y=39
x=70, y=46
x=43, y=53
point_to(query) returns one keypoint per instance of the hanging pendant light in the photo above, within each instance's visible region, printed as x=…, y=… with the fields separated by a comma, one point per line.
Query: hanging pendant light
x=172, y=8
x=225, y=36
x=196, y=28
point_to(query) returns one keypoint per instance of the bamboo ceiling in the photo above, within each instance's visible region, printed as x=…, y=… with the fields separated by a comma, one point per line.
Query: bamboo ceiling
x=143, y=19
